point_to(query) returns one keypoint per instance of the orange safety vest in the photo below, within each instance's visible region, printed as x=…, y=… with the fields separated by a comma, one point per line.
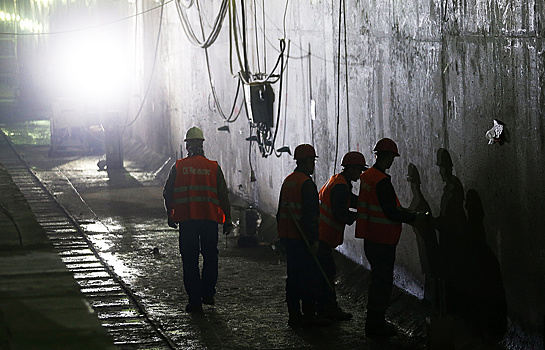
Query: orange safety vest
x=290, y=206
x=371, y=222
x=195, y=190
x=331, y=229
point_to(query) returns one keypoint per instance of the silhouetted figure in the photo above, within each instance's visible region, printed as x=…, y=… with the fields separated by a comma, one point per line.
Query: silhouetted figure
x=484, y=291
x=452, y=227
x=336, y=199
x=298, y=219
x=473, y=285
x=426, y=238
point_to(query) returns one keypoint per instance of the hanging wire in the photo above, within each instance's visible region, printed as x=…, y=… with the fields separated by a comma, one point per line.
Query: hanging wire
x=229, y=118
x=152, y=69
x=189, y=3
x=264, y=37
x=284, y=19
x=280, y=93
x=256, y=41
x=285, y=105
x=186, y=25
x=281, y=30
x=233, y=37
x=338, y=90
x=346, y=76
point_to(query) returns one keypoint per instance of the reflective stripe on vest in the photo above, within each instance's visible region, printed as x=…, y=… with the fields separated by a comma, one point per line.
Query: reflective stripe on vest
x=195, y=190
x=371, y=222
x=290, y=205
x=331, y=230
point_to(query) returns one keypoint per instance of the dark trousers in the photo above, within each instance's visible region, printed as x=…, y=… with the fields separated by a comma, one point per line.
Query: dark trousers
x=302, y=281
x=327, y=298
x=381, y=257
x=199, y=236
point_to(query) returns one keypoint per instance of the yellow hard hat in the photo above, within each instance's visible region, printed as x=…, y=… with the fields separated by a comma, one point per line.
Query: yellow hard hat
x=194, y=133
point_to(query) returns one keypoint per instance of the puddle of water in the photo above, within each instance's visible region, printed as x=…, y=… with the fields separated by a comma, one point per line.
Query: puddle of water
x=121, y=269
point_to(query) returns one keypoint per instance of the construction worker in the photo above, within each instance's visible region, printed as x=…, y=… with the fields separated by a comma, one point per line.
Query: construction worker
x=379, y=223
x=196, y=200
x=336, y=199
x=298, y=220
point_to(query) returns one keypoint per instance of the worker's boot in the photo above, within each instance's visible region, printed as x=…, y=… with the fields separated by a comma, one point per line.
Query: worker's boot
x=386, y=329
x=337, y=314
x=296, y=319
x=312, y=318
x=377, y=326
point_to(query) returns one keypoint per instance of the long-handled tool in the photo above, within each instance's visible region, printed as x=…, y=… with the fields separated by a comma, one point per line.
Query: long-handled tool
x=310, y=249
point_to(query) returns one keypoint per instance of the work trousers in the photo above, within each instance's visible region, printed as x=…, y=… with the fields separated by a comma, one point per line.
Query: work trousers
x=302, y=280
x=381, y=257
x=199, y=236
x=327, y=298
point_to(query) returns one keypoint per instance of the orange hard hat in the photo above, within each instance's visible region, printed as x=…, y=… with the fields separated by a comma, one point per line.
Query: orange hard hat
x=303, y=151
x=386, y=145
x=354, y=158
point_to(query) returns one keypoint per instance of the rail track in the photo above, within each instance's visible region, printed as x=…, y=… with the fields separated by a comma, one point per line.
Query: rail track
x=114, y=303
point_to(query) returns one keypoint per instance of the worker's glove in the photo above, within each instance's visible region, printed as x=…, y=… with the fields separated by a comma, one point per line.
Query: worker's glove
x=227, y=227
x=422, y=219
x=171, y=223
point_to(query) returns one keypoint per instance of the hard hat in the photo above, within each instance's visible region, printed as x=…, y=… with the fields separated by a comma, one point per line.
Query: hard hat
x=194, y=133
x=413, y=176
x=303, y=151
x=443, y=158
x=353, y=158
x=386, y=145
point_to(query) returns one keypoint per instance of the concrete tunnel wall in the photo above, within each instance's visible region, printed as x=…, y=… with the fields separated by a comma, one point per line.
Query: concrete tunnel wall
x=426, y=73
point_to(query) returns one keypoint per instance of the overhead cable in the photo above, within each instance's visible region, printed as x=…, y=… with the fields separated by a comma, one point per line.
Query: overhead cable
x=216, y=29
x=229, y=118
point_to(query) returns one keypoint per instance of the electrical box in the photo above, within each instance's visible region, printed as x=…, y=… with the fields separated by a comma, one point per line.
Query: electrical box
x=262, y=101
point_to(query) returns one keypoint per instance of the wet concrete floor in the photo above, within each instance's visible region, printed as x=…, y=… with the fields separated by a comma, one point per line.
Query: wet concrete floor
x=122, y=213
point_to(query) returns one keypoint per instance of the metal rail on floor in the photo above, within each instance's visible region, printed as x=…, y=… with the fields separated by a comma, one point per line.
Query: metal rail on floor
x=115, y=304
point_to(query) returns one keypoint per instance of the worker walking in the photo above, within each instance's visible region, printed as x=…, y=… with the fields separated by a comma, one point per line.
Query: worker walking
x=298, y=220
x=379, y=223
x=336, y=199
x=196, y=200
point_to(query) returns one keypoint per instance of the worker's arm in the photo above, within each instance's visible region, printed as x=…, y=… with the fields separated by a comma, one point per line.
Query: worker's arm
x=387, y=199
x=223, y=196
x=168, y=189
x=168, y=194
x=310, y=210
x=340, y=203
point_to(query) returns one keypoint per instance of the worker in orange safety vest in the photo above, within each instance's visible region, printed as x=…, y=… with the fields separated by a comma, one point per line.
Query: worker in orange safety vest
x=196, y=200
x=378, y=222
x=336, y=199
x=298, y=220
